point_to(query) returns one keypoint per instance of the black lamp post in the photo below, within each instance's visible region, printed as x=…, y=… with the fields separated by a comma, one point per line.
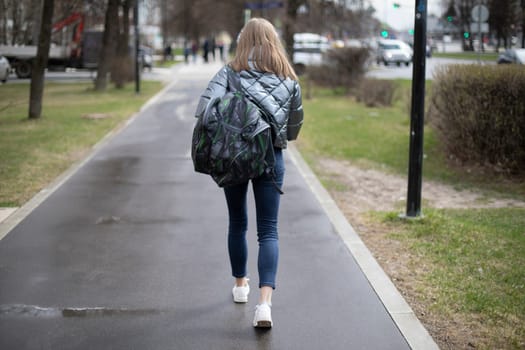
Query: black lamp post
x=415, y=167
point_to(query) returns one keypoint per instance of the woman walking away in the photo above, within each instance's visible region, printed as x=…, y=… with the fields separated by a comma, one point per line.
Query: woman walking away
x=269, y=80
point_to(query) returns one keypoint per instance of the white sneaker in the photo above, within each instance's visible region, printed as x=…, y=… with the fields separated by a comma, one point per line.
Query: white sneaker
x=263, y=316
x=240, y=294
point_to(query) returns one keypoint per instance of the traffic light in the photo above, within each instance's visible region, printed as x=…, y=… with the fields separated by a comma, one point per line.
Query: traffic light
x=466, y=35
x=450, y=18
x=411, y=31
x=396, y=5
x=384, y=33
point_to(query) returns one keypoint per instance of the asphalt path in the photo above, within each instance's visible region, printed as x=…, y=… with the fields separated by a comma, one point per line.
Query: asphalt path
x=130, y=252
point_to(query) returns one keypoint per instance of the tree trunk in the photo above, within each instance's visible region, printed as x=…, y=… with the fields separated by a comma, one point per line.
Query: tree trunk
x=107, y=52
x=291, y=17
x=3, y=36
x=523, y=24
x=15, y=25
x=164, y=21
x=122, y=70
x=40, y=62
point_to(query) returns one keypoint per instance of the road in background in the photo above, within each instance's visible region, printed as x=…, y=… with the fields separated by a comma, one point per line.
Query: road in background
x=163, y=74
x=72, y=75
x=404, y=72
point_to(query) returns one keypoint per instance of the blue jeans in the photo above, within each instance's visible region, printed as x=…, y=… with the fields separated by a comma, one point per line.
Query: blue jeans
x=267, y=199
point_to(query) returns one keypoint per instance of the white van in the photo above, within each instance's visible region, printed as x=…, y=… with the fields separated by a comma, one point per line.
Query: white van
x=308, y=50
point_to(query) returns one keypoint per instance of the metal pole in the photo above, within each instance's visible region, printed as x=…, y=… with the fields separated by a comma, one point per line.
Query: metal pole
x=480, y=37
x=137, y=46
x=415, y=166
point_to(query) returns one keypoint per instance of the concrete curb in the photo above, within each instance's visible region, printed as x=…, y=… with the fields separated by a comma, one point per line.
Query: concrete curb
x=408, y=324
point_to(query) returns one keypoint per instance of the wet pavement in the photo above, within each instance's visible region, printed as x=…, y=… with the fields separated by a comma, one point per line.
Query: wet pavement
x=129, y=252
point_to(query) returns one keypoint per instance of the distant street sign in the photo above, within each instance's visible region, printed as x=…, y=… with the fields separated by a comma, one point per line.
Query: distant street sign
x=480, y=13
x=263, y=5
x=475, y=27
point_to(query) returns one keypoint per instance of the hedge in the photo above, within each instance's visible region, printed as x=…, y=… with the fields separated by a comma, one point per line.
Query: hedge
x=479, y=115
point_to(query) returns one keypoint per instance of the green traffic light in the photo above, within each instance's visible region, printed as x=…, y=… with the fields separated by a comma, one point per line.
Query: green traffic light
x=396, y=5
x=384, y=34
x=411, y=31
x=450, y=18
x=466, y=35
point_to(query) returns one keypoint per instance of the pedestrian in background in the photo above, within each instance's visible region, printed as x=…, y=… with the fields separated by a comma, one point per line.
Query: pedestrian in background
x=168, y=55
x=186, y=51
x=212, y=47
x=220, y=45
x=205, y=50
x=268, y=78
x=194, y=49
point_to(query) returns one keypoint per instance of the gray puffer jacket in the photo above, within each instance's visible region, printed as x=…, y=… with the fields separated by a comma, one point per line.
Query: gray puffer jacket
x=280, y=98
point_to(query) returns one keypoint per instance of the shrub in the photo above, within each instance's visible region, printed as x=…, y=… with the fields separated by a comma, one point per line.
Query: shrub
x=479, y=114
x=344, y=67
x=374, y=92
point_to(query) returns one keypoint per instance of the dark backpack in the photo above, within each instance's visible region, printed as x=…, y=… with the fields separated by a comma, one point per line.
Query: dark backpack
x=231, y=140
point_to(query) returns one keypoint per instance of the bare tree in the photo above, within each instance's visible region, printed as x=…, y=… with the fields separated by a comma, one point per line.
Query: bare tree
x=3, y=29
x=523, y=24
x=40, y=63
x=122, y=69
x=291, y=16
x=108, y=45
x=504, y=18
x=194, y=19
x=16, y=19
x=32, y=22
x=66, y=7
x=25, y=16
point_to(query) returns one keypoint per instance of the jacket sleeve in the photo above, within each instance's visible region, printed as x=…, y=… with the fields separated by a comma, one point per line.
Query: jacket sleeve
x=295, y=119
x=217, y=87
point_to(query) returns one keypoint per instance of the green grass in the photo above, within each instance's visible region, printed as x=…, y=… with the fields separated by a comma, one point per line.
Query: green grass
x=34, y=152
x=333, y=127
x=484, y=56
x=338, y=127
x=475, y=261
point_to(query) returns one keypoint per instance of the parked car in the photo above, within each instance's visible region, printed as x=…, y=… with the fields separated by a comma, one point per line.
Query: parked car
x=428, y=51
x=393, y=51
x=146, y=57
x=512, y=56
x=5, y=69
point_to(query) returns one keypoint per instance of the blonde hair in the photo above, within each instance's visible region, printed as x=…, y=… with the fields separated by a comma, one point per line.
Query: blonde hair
x=259, y=43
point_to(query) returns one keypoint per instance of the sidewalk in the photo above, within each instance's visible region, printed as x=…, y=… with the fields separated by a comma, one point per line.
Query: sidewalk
x=128, y=251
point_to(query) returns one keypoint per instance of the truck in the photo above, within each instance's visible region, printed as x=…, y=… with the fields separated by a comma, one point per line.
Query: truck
x=75, y=48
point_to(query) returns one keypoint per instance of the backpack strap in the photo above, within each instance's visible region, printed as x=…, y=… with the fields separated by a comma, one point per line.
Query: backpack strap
x=234, y=80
